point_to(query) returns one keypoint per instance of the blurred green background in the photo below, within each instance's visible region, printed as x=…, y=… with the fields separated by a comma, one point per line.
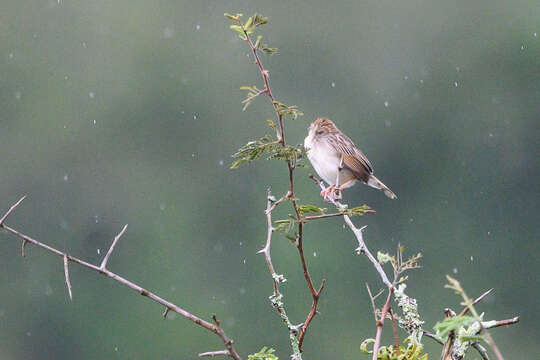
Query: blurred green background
x=117, y=112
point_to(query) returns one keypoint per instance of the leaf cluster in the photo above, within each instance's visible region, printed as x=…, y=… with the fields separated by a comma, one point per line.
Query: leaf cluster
x=264, y=354
x=413, y=351
x=254, y=150
x=286, y=110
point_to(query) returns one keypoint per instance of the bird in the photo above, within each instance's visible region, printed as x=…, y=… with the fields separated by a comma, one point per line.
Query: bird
x=338, y=161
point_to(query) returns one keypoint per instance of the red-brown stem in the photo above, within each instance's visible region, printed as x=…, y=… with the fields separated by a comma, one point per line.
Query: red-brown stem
x=380, y=323
x=394, y=329
x=315, y=294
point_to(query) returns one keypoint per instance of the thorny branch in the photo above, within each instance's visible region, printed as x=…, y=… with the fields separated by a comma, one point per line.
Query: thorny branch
x=315, y=293
x=215, y=328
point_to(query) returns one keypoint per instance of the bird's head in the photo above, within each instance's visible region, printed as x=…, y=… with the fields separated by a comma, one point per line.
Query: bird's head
x=322, y=127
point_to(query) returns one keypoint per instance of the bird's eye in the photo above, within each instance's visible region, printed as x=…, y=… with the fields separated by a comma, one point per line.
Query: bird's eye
x=319, y=132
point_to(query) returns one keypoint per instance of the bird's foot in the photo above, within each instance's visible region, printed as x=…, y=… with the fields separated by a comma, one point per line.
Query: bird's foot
x=331, y=192
x=325, y=193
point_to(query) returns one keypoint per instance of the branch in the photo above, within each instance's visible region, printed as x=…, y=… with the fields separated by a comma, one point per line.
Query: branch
x=291, y=165
x=66, y=273
x=116, y=238
x=481, y=350
x=380, y=323
x=476, y=301
x=277, y=297
x=362, y=248
x=102, y=270
x=315, y=294
x=214, y=353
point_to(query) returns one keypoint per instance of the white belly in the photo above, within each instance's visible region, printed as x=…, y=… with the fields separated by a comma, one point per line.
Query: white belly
x=326, y=161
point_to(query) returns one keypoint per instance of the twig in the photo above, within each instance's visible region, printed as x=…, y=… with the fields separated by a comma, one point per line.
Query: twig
x=66, y=273
x=276, y=298
x=116, y=238
x=394, y=330
x=497, y=323
x=476, y=301
x=481, y=350
x=433, y=337
x=315, y=294
x=372, y=299
x=385, y=309
x=214, y=353
x=104, y=271
x=3, y=218
x=362, y=248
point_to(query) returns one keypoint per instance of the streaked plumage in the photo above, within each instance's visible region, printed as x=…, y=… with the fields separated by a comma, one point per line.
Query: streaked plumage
x=337, y=160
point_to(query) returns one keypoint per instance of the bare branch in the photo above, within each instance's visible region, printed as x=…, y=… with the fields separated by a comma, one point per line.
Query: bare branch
x=169, y=305
x=481, y=350
x=380, y=323
x=3, y=218
x=362, y=248
x=433, y=337
x=214, y=353
x=476, y=301
x=497, y=323
x=66, y=273
x=116, y=238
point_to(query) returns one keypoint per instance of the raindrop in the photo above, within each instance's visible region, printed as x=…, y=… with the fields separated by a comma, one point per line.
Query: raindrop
x=489, y=233
x=522, y=47
x=96, y=219
x=84, y=44
x=34, y=36
x=11, y=55
x=28, y=333
x=490, y=134
x=194, y=116
x=168, y=33
x=535, y=35
x=457, y=68
x=387, y=123
x=421, y=81
x=221, y=164
x=182, y=112
x=472, y=258
x=314, y=254
x=405, y=77
x=94, y=121
x=66, y=77
x=244, y=261
x=242, y=291
x=455, y=83
x=197, y=27
x=411, y=220
x=241, y=243
x=91, y=94
x=48, y=290
x=386, y=104
x=18, y=95
x=454, y=270
x=98, y=251
x=66, y=177
x=193, y=155
x=116, y=348
x=162, y=206
x=333, y=84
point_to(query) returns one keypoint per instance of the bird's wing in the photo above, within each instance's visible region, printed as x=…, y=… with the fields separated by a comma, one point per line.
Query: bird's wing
x=353, y=158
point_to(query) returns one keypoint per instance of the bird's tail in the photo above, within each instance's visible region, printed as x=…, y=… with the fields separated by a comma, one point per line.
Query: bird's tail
x=378, y=184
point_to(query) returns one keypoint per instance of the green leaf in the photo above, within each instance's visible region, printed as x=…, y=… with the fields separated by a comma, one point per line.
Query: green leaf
x=306, y=209
x=264, y=354
x=238, y=29
x=253, y=150
x=453, y=324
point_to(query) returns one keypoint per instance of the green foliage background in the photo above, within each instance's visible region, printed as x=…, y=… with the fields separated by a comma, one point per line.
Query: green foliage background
x=118, y=112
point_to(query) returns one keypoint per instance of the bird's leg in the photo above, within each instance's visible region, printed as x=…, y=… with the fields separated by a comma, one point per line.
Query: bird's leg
x=339, y=188
x=326, y=192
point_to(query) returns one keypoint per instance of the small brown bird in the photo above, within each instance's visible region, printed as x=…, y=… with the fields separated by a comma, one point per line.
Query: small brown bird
x=338, y=161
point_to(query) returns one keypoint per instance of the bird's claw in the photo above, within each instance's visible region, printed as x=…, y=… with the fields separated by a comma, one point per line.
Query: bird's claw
x=331, y=193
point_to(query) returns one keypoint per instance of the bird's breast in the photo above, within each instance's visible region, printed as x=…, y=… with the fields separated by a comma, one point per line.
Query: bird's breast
x=325, y=161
